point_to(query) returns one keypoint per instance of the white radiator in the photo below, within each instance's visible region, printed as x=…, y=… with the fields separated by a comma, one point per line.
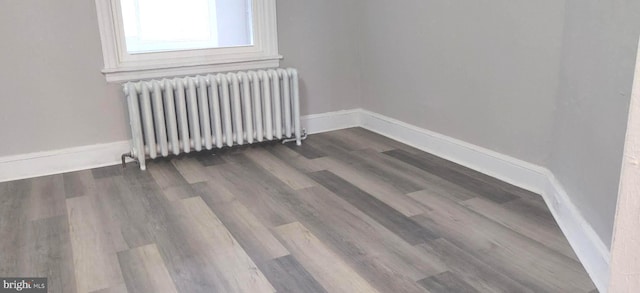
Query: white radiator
x=181, y=115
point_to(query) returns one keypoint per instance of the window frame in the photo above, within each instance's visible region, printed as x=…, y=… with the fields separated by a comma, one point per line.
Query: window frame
x=121, y=66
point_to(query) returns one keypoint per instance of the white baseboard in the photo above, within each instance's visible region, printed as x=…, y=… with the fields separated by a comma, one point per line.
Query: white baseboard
x=324, y=122
x=61, y=161
x=505, y=168
x=588, y=246
x=94, y=156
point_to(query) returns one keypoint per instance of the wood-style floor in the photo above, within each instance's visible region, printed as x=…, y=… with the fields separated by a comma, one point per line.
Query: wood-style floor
x=349, y=211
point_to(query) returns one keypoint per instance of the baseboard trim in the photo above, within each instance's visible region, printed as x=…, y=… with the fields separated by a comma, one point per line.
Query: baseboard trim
x=588, y=246
x=61, y=161
x=505, y=168
x=325, y=122
x=590, y=249
x=101, y=155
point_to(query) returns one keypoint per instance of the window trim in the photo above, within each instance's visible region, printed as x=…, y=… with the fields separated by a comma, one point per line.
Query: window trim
x=121, y=66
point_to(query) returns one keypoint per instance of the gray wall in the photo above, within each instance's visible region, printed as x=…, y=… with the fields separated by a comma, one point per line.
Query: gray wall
x=319, y=38
x=54, y=96
x=600, y=41
x=481, y=71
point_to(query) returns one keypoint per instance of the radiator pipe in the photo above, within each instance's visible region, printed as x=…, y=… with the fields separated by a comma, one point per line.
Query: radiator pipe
x=303, y=137
x=296, y=103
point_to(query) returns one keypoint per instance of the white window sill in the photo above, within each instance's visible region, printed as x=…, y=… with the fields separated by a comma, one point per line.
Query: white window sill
x=124, y=74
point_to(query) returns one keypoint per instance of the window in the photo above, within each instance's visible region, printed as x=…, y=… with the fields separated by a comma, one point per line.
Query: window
x=161, y=38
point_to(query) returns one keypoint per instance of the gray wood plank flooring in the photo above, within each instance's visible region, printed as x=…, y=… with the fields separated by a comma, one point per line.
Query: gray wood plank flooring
x=348, y=211
x=287, y=275
x=446, y=282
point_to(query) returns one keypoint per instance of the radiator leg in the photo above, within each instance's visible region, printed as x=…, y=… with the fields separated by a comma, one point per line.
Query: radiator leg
x=298, y=140
x=124, y=159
